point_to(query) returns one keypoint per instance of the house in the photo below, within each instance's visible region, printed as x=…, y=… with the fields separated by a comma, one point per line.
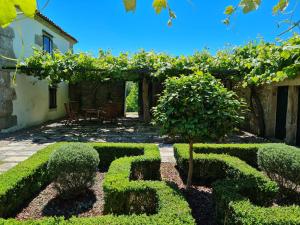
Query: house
x=29, y=101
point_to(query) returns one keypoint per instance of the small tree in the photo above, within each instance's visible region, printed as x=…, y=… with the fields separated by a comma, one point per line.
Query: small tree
x=197, y=108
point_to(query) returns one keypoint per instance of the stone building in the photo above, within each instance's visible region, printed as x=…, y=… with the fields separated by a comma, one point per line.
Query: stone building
x=29, y=101
x=281, y=109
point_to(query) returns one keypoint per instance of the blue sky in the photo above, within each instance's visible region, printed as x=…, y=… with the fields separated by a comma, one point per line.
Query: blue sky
x=106, y=25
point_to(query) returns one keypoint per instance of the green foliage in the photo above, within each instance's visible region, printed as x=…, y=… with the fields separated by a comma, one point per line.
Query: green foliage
x=133, y=179
x=253, y=64
x=73, y=168
x=109, y=152
x=132, y=99
x=24, y=181
x=197, y=107
x=245, y=152
x=282, y=164
x=213, y=167
x=8, y=10
x=242, y=197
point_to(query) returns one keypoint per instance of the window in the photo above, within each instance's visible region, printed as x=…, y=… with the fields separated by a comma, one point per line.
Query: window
x=47, y=43
x=52, y=97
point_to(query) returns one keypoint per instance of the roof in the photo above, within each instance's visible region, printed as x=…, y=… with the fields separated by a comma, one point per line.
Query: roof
x=49, y=21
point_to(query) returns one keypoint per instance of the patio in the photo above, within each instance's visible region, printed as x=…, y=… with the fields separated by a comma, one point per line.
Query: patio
x=18, y=146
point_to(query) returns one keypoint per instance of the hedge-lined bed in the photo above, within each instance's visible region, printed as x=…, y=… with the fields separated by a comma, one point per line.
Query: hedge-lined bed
x=133, y=192
x=242, y=193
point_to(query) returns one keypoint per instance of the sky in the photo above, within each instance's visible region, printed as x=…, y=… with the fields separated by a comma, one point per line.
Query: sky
x=99, y=24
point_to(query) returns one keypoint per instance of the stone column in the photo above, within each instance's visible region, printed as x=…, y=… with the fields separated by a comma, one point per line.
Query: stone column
x=292, y=114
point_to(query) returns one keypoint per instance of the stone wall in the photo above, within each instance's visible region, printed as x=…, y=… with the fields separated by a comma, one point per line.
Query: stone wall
x=268, y=98
x=7, y=93
x=6, y=46
x=7, y=96
x=109, y=96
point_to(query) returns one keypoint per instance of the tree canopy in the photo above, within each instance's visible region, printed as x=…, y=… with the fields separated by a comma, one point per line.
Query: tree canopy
x=197, y=108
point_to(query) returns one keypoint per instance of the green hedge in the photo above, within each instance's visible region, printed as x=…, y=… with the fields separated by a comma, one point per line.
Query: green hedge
x=242, y=189
x=22, y=182
x=245, y=152
x=108, y=152
x=125, y=190
x=281, y=163
x=234, y=208
x=213, y=167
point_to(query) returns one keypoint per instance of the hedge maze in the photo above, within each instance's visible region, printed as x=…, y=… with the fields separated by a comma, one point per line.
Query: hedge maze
x=243, y=194
x=133, y=191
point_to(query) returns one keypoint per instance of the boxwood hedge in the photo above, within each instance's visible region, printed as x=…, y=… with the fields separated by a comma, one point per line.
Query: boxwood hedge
x=131, y=187
x=241, y=192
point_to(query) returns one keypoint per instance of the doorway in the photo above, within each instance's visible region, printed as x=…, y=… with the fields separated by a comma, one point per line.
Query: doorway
x=132, y=99
x=281, y=112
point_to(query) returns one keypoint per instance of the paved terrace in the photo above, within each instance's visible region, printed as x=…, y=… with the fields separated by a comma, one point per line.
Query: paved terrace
x=18, y=146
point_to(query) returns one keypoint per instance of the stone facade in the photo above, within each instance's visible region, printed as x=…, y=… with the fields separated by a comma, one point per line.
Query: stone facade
x=7, y=92
x=6, y=46
x=6, y=101
x=268, y=97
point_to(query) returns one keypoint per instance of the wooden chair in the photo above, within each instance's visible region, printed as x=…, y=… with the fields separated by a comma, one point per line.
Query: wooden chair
x=71, y=115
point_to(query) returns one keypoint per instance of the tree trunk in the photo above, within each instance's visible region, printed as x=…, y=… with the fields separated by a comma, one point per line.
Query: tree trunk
x=146, y=106
x=258, y=111
x=191, y=165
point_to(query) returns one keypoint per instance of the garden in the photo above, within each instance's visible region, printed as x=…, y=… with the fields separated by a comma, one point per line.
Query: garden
x=119, y=183
x=65, y=183
x=211, y=182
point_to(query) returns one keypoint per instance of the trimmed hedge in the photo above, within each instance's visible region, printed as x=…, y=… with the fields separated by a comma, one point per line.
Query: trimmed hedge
x=234, y=208
x=239, y=189
x=109, y=152
x=245, y=152
x=124, y=190
x=21, y=183
x=213, y=167
x=282, y=164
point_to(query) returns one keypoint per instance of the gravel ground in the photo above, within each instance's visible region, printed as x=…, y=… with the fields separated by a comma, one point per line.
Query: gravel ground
x=199, y=197
x=47, y=203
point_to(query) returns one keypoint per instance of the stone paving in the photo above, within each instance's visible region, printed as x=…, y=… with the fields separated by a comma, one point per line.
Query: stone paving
x=18, y=146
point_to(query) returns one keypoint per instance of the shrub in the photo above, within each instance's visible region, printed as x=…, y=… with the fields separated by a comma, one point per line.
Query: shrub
x=73, y=168
x=197, y=107
x=282, y=164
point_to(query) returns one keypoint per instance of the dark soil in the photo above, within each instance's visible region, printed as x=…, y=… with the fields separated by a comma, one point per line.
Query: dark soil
x=48, y=203
x=199, y=198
